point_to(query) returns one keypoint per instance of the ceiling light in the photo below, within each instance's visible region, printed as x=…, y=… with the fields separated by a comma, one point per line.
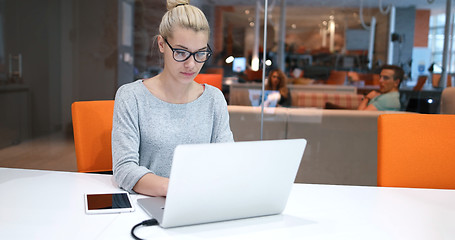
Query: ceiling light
x=229, y=59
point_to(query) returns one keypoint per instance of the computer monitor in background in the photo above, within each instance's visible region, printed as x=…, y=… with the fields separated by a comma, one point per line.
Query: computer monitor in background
x=239, y=64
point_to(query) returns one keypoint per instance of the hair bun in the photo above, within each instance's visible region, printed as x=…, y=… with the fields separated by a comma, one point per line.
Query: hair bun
x=171, y=4
x=180, y=13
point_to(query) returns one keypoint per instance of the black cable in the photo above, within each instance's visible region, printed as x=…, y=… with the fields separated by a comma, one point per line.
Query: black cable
x=150, y=222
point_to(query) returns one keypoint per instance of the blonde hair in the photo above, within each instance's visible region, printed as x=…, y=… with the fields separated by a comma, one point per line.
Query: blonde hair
x=181, y=14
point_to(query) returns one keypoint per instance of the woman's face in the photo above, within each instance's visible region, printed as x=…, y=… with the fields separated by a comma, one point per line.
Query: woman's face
x=189, y=40
x=275, y=80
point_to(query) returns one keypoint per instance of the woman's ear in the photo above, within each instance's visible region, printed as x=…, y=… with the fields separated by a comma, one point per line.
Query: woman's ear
x=161, y=43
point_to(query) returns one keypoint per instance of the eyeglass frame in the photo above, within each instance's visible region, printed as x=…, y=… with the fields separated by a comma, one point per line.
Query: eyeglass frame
x=208, y=51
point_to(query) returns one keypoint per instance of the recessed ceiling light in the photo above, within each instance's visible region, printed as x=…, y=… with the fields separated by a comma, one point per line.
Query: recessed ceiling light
x=229, y=59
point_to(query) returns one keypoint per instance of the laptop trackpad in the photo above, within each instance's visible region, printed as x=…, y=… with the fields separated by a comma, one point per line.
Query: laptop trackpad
x=154, y=206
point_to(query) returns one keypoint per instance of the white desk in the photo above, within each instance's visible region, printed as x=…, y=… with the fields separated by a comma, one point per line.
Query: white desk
x=49, y=205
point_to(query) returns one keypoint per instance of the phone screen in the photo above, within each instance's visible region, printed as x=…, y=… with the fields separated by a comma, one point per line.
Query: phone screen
x=108, y=201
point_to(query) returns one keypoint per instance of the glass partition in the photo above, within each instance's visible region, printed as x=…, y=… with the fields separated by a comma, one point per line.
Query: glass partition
x=328, y=74
x=72, y=50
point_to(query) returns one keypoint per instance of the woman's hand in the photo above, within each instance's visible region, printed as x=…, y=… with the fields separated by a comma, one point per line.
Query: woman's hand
x=152, y=185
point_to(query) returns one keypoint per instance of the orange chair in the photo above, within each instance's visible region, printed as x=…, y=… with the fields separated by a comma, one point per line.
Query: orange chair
x=420, y=82
x=436, y=78
x=92, y=125
x=215, y=80
x=370, y=78
x=253, y=75
x=416, y=150
x=337, y=77
x=367, y=78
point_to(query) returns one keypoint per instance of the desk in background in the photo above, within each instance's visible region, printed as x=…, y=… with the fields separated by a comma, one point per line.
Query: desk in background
x=239, y=92
x=39, y=204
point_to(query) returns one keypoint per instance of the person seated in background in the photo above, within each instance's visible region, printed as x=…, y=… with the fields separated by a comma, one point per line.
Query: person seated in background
x=277, y=81
x=388, y=97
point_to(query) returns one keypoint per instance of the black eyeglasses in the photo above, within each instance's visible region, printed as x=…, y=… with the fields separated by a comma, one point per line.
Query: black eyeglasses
x=181, y=55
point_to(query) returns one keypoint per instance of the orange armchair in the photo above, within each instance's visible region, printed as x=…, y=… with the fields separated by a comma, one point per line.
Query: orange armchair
x=436, y=78
x=253, y=75
x=420, y=82
x=92, y=125
x=337, y=77
x=416, y=150
x=213, y=79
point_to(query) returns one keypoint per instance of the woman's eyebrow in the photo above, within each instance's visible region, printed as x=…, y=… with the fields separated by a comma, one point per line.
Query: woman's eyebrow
x=183, y=47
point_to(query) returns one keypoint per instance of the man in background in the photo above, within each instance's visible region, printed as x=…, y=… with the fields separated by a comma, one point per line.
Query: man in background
x=388, y=97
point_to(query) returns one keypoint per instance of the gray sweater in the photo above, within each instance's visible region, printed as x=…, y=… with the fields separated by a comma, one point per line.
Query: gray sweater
x=146, y=130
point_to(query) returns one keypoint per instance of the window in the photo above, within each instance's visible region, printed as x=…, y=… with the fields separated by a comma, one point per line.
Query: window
x=436, y=42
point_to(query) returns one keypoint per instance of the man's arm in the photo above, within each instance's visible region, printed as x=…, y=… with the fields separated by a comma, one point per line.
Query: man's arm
x=370, y=107
x=364, y=104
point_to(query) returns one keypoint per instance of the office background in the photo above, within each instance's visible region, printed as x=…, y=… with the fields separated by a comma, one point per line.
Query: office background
x=84, y=50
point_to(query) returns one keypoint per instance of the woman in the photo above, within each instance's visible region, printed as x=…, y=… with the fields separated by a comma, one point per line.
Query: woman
x=152, y=116
x=277, y=81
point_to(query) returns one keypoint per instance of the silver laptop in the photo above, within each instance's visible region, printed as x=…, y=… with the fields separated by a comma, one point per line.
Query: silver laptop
x=226, y=181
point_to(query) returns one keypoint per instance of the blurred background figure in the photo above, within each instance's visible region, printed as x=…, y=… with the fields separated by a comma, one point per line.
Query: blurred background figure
x=277, y=81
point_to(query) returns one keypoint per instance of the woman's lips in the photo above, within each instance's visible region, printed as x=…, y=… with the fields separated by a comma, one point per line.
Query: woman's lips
x=188, y=74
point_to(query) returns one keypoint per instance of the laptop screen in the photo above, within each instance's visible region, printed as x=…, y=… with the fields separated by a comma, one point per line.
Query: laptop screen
x=271, y=97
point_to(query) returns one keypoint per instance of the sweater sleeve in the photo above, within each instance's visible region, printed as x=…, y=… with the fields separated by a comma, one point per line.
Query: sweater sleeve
x=126, y=140
x=222, y=130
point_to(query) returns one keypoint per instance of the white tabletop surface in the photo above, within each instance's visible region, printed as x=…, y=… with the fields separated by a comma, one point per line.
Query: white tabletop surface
x=38, y=204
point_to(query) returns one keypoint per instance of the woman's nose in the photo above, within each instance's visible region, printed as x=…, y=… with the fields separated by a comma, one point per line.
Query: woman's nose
x=190, y=62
